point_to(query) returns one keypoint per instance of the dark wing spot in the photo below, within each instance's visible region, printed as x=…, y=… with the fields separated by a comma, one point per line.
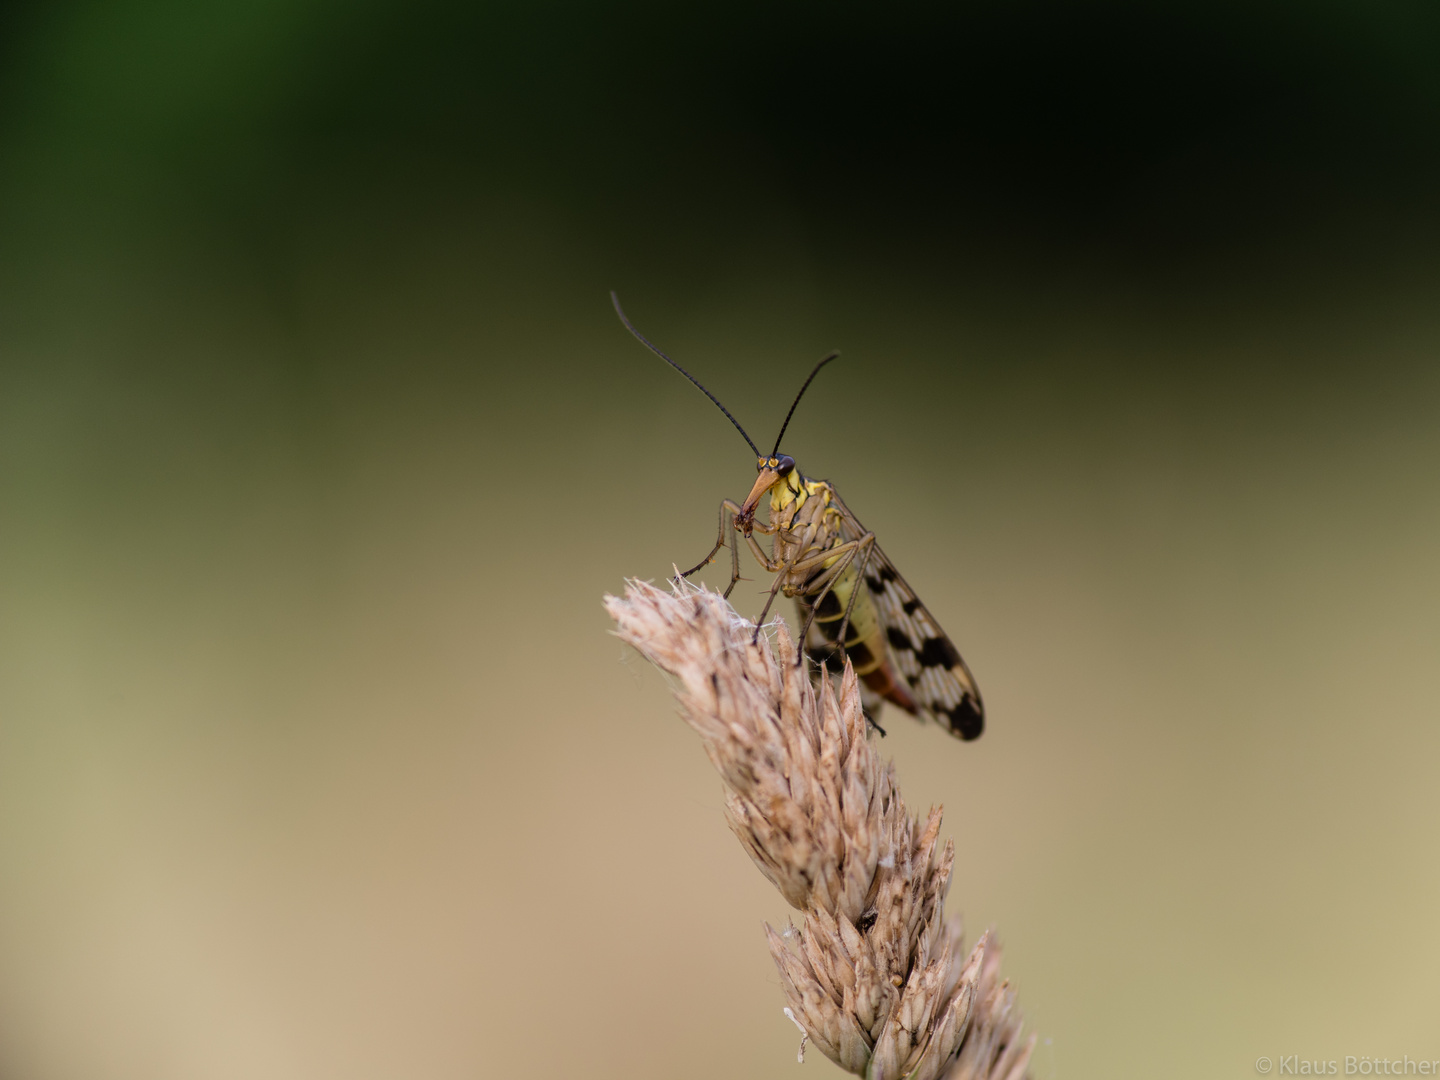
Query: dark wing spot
x=899, y=639
x=938, y=652
x=886, y=573
x=875, y=584
x=829, y=607
x=966, y=719
x=910, y=606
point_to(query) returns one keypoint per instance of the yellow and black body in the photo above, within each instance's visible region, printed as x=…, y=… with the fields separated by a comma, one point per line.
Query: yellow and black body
x=852, y=602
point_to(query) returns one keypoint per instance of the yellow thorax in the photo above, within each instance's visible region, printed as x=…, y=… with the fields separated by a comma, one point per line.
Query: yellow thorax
x=788, y=495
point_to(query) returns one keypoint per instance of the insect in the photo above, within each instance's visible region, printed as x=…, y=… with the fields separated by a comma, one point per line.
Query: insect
x=852, y=601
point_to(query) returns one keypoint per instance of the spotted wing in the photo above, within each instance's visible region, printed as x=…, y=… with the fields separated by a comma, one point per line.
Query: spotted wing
x=920, y=651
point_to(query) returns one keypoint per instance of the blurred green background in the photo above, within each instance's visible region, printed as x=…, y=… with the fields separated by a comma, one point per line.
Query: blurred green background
x=319, y=443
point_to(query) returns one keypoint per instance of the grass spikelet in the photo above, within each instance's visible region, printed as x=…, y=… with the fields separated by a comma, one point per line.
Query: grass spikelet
x=875, y=975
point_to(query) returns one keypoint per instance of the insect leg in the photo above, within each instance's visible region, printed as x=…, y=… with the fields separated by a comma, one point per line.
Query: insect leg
x=780, y=570
x=764, y=560
x=725, y=507
x=831, y=575
x=734, y=555
x=868, y=543
x=809, y=562
x=806, y=562
x=779, y=579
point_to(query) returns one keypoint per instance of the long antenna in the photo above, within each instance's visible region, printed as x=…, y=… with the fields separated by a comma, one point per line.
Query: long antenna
x=798, y=396
x=646, y=342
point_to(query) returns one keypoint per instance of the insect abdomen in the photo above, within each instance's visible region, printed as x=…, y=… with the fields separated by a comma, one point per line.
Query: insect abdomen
x=865, y=642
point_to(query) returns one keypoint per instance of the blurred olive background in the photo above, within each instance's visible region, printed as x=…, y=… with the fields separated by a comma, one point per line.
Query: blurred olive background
x=319, y=444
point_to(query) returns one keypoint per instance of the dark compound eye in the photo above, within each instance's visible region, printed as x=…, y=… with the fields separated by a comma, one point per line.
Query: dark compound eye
x=783, y=464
